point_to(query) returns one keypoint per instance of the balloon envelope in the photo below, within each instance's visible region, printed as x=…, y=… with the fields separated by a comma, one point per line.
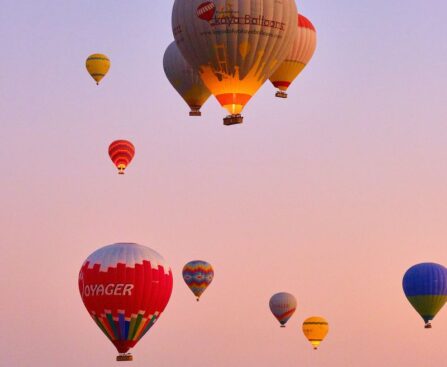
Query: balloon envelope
x=97, y=66
x=283, y=305
x=121, y=153
x=235, y=45
x=198, y=275
x=315, y=329
x=425, y=286
x=185, y=79
x=125, y=287
x=300, y=54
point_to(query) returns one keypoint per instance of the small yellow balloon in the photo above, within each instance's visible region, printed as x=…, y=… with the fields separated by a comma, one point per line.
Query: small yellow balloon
x=97, y=65
x=315, y=329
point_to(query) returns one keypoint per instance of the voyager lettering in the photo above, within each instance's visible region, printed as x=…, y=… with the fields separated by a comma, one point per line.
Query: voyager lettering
x=110, y=289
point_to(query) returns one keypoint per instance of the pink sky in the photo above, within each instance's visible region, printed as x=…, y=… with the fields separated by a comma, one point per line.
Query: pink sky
x=330, y=195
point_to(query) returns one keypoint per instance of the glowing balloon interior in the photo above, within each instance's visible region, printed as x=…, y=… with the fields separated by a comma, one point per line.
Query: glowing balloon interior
x=234, y=45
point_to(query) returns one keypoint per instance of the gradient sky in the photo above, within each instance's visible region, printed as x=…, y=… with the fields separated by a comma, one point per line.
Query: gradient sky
x=330, y=195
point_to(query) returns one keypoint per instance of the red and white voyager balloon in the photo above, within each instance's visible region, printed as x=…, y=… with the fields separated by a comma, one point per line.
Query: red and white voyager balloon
x=125, y=288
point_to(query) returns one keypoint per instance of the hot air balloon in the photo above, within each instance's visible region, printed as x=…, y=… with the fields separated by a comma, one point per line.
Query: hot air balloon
x=315, y=329
x=185, y=79
x=121, y=153
x=302, y=50
x=97, y=66
x=425, y=286
x=235, y=45
x=125, y=287
x=198, y=275
x=283, y=305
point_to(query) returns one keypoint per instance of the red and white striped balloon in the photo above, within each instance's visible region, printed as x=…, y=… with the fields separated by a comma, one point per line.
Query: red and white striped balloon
x=121, y=153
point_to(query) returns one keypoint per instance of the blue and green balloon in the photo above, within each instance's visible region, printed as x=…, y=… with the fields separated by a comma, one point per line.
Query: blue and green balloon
x=425, y=286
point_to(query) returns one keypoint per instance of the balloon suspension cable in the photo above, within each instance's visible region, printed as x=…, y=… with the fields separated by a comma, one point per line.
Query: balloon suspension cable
x=124, y=357
x=428, y=325
x=233, y=119
x=281, y=94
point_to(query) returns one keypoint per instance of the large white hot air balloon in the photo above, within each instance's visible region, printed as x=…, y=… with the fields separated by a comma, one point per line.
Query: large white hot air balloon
x=185, y=79
x=236, y=45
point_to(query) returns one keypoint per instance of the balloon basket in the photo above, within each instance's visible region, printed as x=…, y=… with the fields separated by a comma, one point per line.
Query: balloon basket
x=195, y=113
x=124, y=357
x=283, y=326
x=121, y=172
x=427, y=326
x=233, y=120
x=281, y=94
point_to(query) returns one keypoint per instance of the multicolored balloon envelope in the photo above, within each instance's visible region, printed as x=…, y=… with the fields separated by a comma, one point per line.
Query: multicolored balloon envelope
x=425, y=286
x=121, y=153
x=302, y=51
x=283, y=305
x=235, y=45
x=125, y=287
x=185, y=79
x=97, y=66
x=198, y=275
x=315, y=329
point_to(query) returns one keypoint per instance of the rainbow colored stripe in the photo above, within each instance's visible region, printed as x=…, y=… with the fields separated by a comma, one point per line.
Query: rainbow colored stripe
x=121, y=328
x=198, y=275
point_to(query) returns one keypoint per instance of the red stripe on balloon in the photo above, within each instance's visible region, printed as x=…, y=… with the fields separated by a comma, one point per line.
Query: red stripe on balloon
x=121, y=152
x=285, y=314
x=303, y=22
x=278, y=84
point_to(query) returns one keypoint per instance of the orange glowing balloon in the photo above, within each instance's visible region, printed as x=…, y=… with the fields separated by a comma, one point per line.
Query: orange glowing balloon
x=234, y=45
